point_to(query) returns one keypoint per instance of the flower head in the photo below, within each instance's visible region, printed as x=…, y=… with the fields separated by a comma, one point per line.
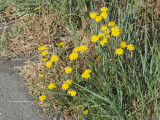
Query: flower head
x=104, y=15
x=94, y=38
x=130, y=47
x=51, y=86
x=119, y=51
x=123, y=44
x=54, y=58
x=61, y=44
x=42, y=48
x=103, y=28
x=85, y=112
x=104, y=9
x=83, y=48
x=76, y=49
x=101, y=35
x=98, y=58
x=73, y=56
x=68, y=82
x=42, y=75
x=103, y=41
x=98, y=18
x=86, y=74
x=72, y=92
x=111, y=23
x=107, y=31
x=68, y=70
x=45, y=52
x=116, y=31
x=44, y=59
x=65, y=86
x=42, y=98
x=48, y=64
x=93, y=15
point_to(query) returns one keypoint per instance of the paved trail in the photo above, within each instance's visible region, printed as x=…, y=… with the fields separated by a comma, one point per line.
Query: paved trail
x=15, y=103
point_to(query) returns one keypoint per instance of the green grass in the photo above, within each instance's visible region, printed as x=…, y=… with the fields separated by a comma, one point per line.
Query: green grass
x=120, y=87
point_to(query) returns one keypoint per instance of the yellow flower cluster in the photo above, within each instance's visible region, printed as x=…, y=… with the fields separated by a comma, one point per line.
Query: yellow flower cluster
x=42, y=98
x=74, y=55
x=85, y=112
x=51, y=86
x=103, y=15
x=68, y=70
x=66, y=85
x=123, y=44
x=41, y=48
x=72, y=92
x=116, y=31
x=86, y=74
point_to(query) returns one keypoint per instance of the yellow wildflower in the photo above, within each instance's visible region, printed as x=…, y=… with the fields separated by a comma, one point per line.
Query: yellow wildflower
x=42, y=75
x=104, y=15
x=73, y=56
x=98, y=18
x=130, y=47
x=44, y=59
x=86, y=74
x=101, y=35
x=48, y=64
x=61, y=44
x=68, y=82
x=42, y=48
x=103, y=41
x=103, y=28
x=68, y=70
x=42, y=98
x=116, y=31
x=119, y=51
x=108, y=36
x=54, y=58
x=85, y=112
x=107, y=31
x=98, y=58
x=93, y=15
x=65, y=86
x=51, y=86
x=104, y=9
x=123, y=44
x=111, y=23
x=76, y=49
x=72, y=92
x=94, y=38
x=45, y=52
x=88, y=71
x=83, y=48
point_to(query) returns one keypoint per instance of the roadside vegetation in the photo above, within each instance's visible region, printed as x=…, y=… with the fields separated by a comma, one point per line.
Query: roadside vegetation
x=97, y=59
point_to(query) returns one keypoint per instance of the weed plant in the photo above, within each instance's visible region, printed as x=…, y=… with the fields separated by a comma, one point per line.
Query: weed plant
x=107, y=70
